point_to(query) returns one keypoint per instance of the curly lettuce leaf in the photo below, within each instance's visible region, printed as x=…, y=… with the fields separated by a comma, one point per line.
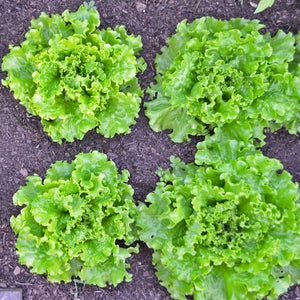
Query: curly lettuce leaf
x=73, y=219
x=214, y=74
x=76, y=77
x=162, y=115
x=227, y=228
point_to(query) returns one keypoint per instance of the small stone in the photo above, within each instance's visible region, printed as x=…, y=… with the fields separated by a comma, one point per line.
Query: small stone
x=17, y=270
x=24, y=172
x=11, y=294
x=140, y=7
x=297, y=291
x=3, y=285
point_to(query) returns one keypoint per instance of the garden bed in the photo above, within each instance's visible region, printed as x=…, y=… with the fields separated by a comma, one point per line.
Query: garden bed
x=26, y=149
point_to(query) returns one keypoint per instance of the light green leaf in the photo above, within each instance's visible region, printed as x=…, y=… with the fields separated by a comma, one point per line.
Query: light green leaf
x=120, y=113
x=263, y=4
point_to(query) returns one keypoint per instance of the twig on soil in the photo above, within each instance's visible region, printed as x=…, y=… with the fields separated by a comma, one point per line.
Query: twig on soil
x=3, y=239
x=23, y=283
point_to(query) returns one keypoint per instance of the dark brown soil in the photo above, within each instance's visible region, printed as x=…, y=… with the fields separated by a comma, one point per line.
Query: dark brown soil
x=25, y=149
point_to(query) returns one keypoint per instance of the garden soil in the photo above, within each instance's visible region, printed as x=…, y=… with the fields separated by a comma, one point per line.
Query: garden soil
x=26, y=149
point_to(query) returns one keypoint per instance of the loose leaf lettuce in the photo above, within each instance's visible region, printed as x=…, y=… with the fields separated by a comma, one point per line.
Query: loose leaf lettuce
x=74, y=219
x=76, y=77
x=227, y=228
x=225, y=74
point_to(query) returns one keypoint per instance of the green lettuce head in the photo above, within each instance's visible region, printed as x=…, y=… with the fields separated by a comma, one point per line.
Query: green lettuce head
x=75, y=220
x=227, y=228
x=76, y=77
x=225, y=74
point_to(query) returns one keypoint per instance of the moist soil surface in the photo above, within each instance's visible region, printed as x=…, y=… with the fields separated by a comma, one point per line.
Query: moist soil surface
x=26, y=149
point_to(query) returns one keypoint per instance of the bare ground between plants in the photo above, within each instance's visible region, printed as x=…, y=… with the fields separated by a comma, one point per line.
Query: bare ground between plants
x=25, y=149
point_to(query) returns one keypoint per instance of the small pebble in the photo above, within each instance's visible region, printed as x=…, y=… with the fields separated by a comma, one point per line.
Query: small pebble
x=24, y=172
x=297, y=291
x=140, y=7
x=11, y=294
x=3, y=285
x=17, y=270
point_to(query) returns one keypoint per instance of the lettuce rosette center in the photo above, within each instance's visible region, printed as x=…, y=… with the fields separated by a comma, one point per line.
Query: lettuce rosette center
x=214, y=77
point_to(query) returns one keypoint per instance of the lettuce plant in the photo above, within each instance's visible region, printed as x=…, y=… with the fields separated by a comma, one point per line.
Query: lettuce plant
x=76, y=77
x=225, y=74
x=227, y=228
x=75, y=220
